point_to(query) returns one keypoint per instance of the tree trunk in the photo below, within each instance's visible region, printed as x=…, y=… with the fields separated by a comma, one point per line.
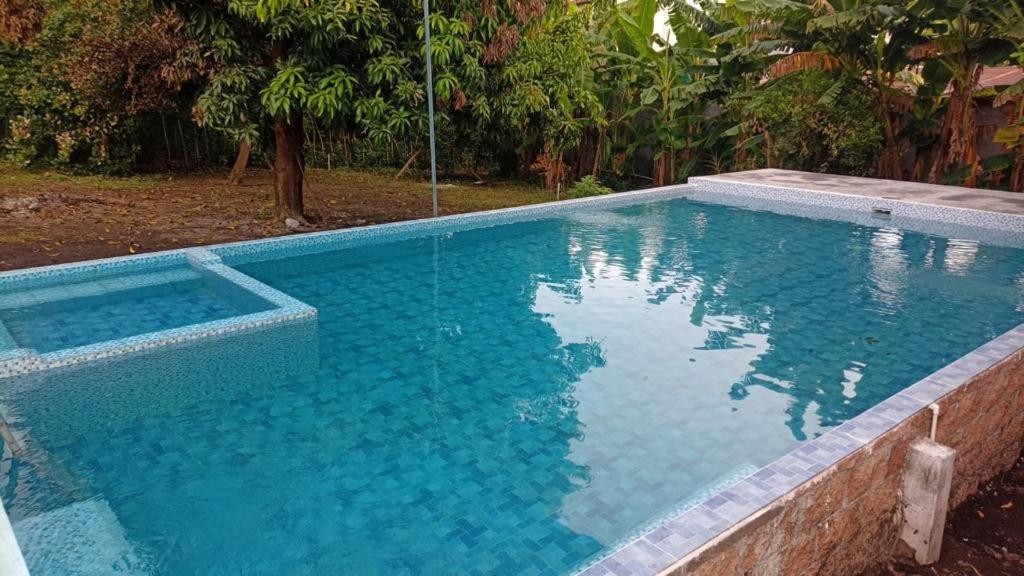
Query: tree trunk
x=289, y=166
x=408, y=163
x=549, y=166
x=597, y=153
x=890, y=164
x=241, y=161
x=955, y=146
x=663, y=167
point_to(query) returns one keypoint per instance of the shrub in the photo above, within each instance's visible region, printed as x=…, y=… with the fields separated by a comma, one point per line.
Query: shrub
x=811, y=126
x=588, y=186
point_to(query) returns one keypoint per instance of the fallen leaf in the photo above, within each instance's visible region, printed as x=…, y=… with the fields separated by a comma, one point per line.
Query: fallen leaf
x=981, y=514
x=1007, y=506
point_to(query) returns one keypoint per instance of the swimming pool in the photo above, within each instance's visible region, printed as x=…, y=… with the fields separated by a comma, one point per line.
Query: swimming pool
x=518, y=398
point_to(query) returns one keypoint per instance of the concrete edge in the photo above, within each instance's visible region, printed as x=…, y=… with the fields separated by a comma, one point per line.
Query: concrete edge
x=974, y=217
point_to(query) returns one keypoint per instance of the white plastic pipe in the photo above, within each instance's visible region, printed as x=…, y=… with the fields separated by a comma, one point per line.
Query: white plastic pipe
x=935, y=420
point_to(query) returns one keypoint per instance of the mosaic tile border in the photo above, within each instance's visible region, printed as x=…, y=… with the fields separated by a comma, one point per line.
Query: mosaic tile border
x=91, y=269
x=967, y=218
x=269, y=248
x=202, y=261
x=992, y=236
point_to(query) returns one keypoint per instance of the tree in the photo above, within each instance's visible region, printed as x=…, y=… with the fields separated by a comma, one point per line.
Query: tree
x=20, y=19
x=669, y=82
x=273, y=62
x=862, y=42
x=1010, y=20
x=82, y=78
x=546, y=93
x=964, y=36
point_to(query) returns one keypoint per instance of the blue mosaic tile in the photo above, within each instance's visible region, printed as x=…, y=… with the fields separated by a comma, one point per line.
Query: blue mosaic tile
x=79, y=313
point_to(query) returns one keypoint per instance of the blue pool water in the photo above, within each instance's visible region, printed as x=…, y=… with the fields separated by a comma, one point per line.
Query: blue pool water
x=509, y=400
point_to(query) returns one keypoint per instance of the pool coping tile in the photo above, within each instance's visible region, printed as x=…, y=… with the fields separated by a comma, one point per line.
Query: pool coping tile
x=880, y=208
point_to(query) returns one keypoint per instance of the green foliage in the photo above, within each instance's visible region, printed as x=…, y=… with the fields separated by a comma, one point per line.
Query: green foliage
x=546, y=90
x=81, y=91
x=809, y=125
x=278, y=58
x=849, y=86
x=588, y=186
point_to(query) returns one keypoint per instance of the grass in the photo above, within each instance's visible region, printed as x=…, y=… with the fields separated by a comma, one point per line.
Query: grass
x=34, y=179
x=456, y=195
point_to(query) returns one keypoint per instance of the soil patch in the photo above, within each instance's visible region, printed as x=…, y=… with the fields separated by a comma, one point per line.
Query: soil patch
x=52, y=219
x=983, y=537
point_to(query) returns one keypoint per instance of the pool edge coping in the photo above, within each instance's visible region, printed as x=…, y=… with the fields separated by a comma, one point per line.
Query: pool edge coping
x=859, y=202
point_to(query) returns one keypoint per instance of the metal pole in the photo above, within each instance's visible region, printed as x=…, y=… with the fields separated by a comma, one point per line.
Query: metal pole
x=430, y=103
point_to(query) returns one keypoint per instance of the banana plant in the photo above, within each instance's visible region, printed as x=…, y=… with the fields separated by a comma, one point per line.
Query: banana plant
x=963, y=37
x=672, y=74
x=861, y=42
x=1010, y=22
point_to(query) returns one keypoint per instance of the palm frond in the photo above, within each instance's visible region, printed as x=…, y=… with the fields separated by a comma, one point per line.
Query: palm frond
x=944, y=46
x=830, y=95
x=1009, y=93
x=756, y=30
x=802, y=61
x=835, y=19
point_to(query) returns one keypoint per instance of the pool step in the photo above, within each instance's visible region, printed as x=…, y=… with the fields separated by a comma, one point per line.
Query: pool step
x=94, y=287
x=91, y=537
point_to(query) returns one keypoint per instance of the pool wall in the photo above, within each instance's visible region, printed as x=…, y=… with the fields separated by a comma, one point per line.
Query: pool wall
x=830, y=506
x=847, y=516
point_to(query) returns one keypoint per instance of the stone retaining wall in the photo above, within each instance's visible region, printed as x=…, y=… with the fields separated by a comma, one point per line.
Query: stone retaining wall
x=848, y=517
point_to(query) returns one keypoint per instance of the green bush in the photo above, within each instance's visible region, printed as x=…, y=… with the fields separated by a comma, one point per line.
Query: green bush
x=814, y=121
x=588, y=186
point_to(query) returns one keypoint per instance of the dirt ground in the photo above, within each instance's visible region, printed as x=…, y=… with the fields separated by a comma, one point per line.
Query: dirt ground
x=983, y=537
x=50, y=218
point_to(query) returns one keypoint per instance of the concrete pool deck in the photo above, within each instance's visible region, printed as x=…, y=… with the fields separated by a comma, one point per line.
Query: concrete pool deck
x=952, y=196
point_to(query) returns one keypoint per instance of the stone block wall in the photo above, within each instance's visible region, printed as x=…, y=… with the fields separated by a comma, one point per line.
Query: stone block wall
x=848, y=517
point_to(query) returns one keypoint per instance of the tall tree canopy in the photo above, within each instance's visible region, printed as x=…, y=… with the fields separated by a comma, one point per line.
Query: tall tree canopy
x=534, y=88
x=275, y=61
